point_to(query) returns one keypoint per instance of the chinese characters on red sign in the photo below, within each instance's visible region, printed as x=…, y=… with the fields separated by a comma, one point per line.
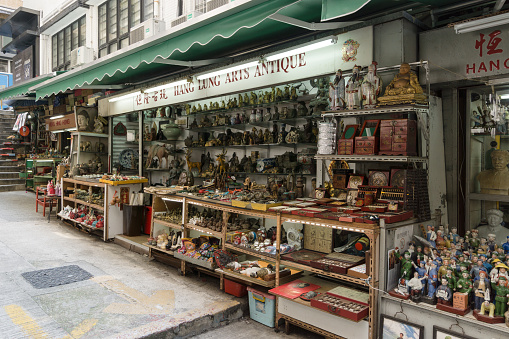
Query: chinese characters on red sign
x=488, y=46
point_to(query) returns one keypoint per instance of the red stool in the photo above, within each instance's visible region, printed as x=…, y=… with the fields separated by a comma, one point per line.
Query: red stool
x=42, y=200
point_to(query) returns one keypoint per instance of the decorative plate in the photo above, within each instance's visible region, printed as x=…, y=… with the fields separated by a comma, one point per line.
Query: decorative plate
x=378, y=178
x=398, y=178
x=127, y=158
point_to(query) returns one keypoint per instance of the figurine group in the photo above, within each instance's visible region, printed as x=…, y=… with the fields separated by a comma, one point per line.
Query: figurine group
x=363, y=92
x=457, y=273
x=359, y=92
x=276, y=94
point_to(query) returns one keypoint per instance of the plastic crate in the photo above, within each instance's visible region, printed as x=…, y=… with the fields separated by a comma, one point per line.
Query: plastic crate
x=262, y=307
x=235, y=288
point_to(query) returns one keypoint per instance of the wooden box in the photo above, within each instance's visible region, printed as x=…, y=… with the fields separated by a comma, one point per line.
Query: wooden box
x=333, y=266
x=346, y=146
x=367, y=142
x=460, y=301
x=302, y=256
x=349, y=298
x=318, y=238
x=398, y=137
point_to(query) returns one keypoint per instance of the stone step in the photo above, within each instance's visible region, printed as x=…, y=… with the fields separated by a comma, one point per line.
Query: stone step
x=16, y=169
x=12, y=187
x=11, y=181
x=9, y=175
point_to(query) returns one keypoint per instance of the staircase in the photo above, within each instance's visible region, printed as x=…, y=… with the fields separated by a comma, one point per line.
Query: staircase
x=9, y=169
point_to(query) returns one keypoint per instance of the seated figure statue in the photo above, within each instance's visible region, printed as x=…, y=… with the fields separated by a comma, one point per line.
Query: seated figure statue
x=403, y=89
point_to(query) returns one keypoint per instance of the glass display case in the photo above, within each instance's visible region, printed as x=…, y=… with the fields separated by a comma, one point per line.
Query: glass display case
x=487, y=203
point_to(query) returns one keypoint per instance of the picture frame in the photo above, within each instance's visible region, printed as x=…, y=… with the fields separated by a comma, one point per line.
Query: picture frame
x=350, y=131
x=354, y=181
x=391, y=328
x=443, y=333
x=351, y=197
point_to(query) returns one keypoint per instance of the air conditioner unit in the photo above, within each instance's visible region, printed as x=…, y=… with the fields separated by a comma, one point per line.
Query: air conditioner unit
x=213, y=4
x=81, y=55
x=185, y=18
x=146, y=29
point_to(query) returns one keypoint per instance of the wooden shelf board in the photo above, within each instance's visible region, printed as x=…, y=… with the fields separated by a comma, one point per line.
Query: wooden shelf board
x=322, y=272
x=83, y=182
x=155, y=248
x=123, y=182
x=204, y=230
x=168, y=224
x=249, y=252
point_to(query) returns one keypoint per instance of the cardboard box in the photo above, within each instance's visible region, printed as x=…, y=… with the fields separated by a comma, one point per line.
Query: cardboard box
x=460, y=300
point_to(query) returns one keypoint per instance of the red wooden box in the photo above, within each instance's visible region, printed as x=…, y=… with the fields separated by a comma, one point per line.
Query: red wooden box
x=396, y=217
x=349, y=297
x=398, y=137
x=234, y=288
x=303, y=256
x=368, y=141
x=329, y=265
x=374, y=208
x=346, y=146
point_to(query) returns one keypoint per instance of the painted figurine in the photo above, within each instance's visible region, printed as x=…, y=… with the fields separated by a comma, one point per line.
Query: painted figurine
x=432, y=279
x=415, y=286
x=481, y=290
x=444, y=293
x=501, y=297
x=353, y=89
x=431, y=236
x=337, y=92
x=370, y=87
x=464, y=284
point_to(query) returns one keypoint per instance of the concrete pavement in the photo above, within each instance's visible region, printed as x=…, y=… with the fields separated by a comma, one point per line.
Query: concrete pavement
x=129, y=295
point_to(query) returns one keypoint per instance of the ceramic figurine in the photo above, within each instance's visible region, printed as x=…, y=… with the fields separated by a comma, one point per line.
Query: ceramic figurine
x=337, y=92
x=353, y=92
x=501, y=296
x=432, y=280
x=481, y=289
x=267, y=116
x=403, y=89
x=370, y=87
x=415, y=287
x=444, y=293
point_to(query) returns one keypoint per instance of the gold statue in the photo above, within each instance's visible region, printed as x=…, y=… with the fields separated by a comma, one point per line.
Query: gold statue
x=403, y=89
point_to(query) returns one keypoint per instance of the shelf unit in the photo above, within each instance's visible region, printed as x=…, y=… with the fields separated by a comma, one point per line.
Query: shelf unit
x=80, y=156
x=31, y=166
x=370, y=230
x=68, y=184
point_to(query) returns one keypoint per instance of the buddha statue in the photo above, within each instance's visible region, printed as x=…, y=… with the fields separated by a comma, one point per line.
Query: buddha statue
x=403, y=89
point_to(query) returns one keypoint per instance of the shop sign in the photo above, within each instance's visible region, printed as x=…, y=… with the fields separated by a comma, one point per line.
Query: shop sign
x=65, y=122
x=470, y=55
x=352, y=48
x=23, y=65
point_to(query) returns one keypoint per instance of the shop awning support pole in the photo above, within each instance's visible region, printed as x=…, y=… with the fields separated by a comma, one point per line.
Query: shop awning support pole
x=312, y=26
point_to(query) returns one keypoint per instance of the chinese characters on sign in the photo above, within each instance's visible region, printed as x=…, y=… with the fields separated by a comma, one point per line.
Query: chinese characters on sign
x=488, y=46
x=66, y=122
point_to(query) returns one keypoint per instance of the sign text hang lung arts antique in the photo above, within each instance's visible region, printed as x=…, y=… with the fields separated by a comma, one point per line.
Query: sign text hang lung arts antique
x=466, y=56
x=352, y=48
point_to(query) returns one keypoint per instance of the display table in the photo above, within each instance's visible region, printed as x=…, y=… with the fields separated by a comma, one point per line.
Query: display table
x=113, y=214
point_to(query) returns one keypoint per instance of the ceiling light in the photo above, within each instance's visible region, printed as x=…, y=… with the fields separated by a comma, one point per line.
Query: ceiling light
x=57, y=117
x=311, y=47
x=227, y=70
x=126, y=96
x=171, y=84
x=476, y=25
x=504, y=96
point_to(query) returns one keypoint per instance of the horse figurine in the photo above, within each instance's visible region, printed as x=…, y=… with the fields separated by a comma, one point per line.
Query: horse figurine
x=191, y=165
x=158, y=151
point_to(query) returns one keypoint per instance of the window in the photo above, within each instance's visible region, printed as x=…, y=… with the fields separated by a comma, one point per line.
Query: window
x=116, y=18
x=63, y=42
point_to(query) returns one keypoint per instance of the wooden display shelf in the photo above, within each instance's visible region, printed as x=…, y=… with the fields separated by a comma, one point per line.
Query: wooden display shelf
x=84, y=182
x=81, y=223
x=250, y=252
x=204, y=230
x=342, y=225
x=82, y=202
x=322, y=272
x=97, y=207
x=295, y=274
x=155, y=248
x=123, y=182
x=224, y=206
x=168, y=224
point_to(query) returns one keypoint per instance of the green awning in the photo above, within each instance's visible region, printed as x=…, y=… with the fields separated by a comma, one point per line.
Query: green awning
x=23, y=88
x=350, y=9
x=217, y=35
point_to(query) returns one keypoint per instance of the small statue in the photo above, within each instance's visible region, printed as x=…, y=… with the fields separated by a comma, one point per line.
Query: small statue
x=444, y=293
x=403, y=89
x=337, y=91
x=267, y=137
x=370, y=87
x=253, y=99
x=282, y=135
x=98, y=126
x=194, y=124
x=353, y=90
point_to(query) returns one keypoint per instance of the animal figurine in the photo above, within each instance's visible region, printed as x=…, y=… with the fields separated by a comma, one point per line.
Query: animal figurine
x=223, y=165
x=158, y=151
x=191, y=165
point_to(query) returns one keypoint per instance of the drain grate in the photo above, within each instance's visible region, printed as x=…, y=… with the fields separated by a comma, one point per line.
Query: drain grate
x=52, y=277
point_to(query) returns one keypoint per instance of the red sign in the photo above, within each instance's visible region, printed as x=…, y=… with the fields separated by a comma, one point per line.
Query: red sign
x=24, y=131
x=488, y=45
x=65, y=122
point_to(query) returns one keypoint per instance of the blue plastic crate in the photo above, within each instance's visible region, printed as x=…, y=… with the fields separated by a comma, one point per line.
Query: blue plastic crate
x=262, y=307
